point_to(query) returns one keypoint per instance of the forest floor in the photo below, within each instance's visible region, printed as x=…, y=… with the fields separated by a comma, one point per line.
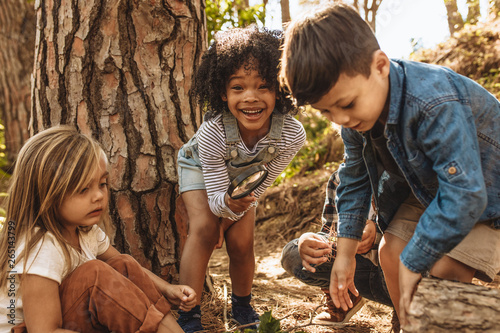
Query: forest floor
x=299, y=203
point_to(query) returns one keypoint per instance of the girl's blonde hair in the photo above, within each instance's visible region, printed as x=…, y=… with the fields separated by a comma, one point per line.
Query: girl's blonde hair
x=53, y=164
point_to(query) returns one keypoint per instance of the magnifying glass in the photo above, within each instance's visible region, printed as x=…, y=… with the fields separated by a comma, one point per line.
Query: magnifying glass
x=247, y=181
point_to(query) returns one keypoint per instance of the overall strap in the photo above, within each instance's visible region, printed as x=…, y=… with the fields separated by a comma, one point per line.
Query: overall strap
x=277, y=121
x=232, y=134
x=231, y=128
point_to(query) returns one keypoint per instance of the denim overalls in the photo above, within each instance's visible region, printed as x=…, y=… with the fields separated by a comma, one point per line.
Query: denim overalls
x=236, y=159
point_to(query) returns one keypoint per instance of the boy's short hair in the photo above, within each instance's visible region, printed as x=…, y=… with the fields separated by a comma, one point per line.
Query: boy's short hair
x=320, y=46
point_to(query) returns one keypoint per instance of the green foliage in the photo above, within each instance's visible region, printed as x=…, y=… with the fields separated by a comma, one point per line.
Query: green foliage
x=227, y=13
x=268, y=324
x=322, y=146
x=472, y=52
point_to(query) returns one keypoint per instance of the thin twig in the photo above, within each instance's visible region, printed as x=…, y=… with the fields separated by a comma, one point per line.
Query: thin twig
x=226, y=325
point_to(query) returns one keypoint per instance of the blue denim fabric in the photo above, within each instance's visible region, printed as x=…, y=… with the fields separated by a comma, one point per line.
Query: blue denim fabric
x=368, y=278
x=443, y=131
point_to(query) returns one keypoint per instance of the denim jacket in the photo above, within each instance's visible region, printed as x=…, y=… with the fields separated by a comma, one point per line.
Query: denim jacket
x=443, y=131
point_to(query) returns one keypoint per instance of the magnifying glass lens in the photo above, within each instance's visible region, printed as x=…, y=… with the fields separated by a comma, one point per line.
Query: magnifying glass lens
x=246, y=182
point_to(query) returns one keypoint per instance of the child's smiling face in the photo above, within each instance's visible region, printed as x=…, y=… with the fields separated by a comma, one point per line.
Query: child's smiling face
x=251, y=100
x=357, y=102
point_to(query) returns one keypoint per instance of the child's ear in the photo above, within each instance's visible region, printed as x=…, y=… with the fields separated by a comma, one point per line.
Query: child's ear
x=381, y=63
x=224, y=97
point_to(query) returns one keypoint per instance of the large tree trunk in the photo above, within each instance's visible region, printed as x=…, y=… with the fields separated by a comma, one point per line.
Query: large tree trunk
x=121, y=70
x=455, y=20
x=17, y=37
x=441, y=306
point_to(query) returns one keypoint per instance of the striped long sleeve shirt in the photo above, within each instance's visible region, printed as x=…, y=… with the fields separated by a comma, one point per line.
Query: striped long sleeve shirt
x=212, y=150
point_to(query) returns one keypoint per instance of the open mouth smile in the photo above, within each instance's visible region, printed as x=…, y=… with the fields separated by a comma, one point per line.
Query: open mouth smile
x=252, y=112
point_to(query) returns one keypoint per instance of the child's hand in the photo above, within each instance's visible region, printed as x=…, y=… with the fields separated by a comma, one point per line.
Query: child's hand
x=239, y=205
x=313, y=249
x=342, y=275
x=408, y=282
x=182, y=296
x=368, y=238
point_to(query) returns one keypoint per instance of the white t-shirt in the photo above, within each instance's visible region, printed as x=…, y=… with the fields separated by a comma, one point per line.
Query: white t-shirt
x=47, y=260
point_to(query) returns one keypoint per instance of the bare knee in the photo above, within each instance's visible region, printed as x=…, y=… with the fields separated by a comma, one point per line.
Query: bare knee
x=240, y=249
x=450, y=269
x=205, y=233
x=389, y=250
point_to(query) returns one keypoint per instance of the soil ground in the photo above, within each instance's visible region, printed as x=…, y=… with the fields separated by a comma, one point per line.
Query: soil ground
x=275, y=290
x=299, y=204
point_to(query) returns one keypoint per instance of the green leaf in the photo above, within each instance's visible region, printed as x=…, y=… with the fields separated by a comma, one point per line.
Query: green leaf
x=269, y=324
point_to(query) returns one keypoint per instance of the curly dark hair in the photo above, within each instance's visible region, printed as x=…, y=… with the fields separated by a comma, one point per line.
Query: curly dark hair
x=252, y=46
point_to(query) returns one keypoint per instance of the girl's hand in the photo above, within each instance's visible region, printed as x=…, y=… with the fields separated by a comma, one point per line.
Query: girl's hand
x=368, y=238
x=313, y=249
x=182, y=296
x=239, y=205
x=408, y=282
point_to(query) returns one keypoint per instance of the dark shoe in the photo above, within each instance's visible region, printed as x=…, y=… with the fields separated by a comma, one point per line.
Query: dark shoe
x=334, y=315
x=245, y=314
x=190, y=323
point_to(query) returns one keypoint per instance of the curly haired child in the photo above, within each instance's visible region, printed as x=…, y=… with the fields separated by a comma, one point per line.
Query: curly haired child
x=59, y=272
x=248, y=122
x=420, y=138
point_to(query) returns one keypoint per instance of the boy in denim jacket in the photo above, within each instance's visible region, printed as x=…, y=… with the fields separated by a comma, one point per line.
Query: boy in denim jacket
x=422, y=138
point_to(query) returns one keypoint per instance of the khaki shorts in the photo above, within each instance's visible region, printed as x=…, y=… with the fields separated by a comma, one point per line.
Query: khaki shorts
x=480, y=249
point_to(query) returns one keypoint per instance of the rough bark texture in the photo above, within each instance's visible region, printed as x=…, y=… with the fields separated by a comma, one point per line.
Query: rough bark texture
x=17, y=37
x=121, y=70
x=446, y=306
x=455, y=20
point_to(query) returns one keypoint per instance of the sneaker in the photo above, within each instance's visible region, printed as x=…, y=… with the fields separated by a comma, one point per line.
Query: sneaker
x=191, y=323
x=334, y=315
x=245, y=314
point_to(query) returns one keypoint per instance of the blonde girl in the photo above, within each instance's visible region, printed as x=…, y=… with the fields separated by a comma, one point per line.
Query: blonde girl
x=59, y=272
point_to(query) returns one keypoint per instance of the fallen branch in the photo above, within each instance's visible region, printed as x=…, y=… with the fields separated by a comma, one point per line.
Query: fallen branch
x=447, y=306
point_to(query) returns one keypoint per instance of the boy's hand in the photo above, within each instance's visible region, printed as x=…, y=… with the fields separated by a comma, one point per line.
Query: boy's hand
x=182, y=296
x=368, y=238
x=408, y=282
x=342, y=275
x=239, y=205
x=313, y=249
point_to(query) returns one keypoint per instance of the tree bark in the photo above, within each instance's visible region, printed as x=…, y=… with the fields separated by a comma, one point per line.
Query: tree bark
x=447, y=306
x=455, y=20
x=473, y=12
x=17, y=37
x=121, y=70
x=370, y=8
x=285, y=11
